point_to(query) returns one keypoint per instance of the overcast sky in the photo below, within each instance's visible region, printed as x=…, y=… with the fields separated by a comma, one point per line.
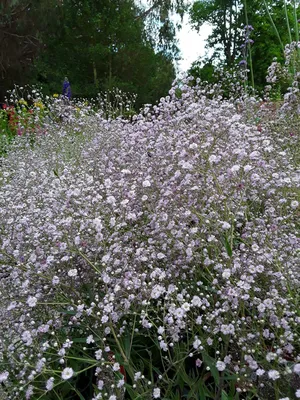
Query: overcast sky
x=191, y=43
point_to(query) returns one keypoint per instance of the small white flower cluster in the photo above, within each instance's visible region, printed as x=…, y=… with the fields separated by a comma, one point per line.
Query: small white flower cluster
x=194, y=247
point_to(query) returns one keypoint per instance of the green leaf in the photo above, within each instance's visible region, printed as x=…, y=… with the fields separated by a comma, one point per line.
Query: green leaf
x=224, y=396
x=130, y=391
x=227, y=246
x=127, y=345
x=210, y=362
x=79, y=340
x=67, y=312
x=204, y=392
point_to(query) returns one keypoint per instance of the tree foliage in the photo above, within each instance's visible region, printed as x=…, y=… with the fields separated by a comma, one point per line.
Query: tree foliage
x=161, y=28
x=18, y=42
x=228, y=17
x=269, y=42
x=97, y=44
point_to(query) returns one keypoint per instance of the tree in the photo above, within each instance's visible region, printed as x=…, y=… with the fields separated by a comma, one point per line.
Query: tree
x=161, y=29
x=101, y=45
x=22, y=23
x=270, y=20
x=97, y=44
x=271, y=34
x=18, y=44
x=227, y=18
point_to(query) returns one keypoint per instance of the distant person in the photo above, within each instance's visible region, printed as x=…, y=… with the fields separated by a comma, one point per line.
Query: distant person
x=3, y=106
x=67, y=89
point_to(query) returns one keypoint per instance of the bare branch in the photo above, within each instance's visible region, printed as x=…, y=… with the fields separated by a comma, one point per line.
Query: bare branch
x=28, y=37
x=22, y=10
x=145, y=13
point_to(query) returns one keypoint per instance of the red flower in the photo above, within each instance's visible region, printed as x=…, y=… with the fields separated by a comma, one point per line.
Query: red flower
x=112, y=359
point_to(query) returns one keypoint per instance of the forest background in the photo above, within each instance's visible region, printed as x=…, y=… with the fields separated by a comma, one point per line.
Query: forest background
x=132, y=45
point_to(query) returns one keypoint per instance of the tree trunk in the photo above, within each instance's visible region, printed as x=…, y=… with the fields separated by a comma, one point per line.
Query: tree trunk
x=96, y=82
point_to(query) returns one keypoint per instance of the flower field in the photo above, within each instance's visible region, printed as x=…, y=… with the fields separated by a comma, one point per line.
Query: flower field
x=154, y=258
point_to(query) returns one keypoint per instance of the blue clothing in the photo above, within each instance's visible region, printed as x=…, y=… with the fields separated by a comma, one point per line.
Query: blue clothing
x=67, y=90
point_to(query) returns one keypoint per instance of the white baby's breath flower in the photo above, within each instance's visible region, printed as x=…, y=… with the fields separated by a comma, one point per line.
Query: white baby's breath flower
x=67, y=373
x=187, y=165
x=186, y=306
x=107, y=183
x=121, y=383
x=116, y=366
x=111, y=200
x=296, y=369
x=196, y=301
x=254, y=155
x=12, y=305
x=221, y=366
x=294, y=204
x=31, y=301
x=271, y=356
x=235, y=168
x=105, y=258
x=4, y=376
x=137, y=376
x=72, y=272
x=146, y=183
x=157, y=291
x=226, y=273
x=90, y=339
x=225, y=225
x=50, y=384
x=198, y=363
x=260, y=372
x=197, y=343
x=248, y=168
x=156, y=393
x=255, y=247
x=100, y=384
x=50, y=259
x=273, y=374
x=160, y=330
x=98, y=224
x=160, y=256
x=261, y=307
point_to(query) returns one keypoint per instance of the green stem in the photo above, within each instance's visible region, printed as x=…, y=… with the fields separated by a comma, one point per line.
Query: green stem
x=287, y=22
x=251, y=66
x=296, y=25
x=249, y=47
x=52, y=304
x=89, y=262
x=119, y=345
x=290, y=34
x=85, y=360
x=274, y=26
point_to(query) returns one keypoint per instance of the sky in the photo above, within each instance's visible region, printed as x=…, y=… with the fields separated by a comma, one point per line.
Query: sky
x=191, y=43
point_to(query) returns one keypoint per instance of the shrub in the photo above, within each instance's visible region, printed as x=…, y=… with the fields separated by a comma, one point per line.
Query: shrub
x=158, y=259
